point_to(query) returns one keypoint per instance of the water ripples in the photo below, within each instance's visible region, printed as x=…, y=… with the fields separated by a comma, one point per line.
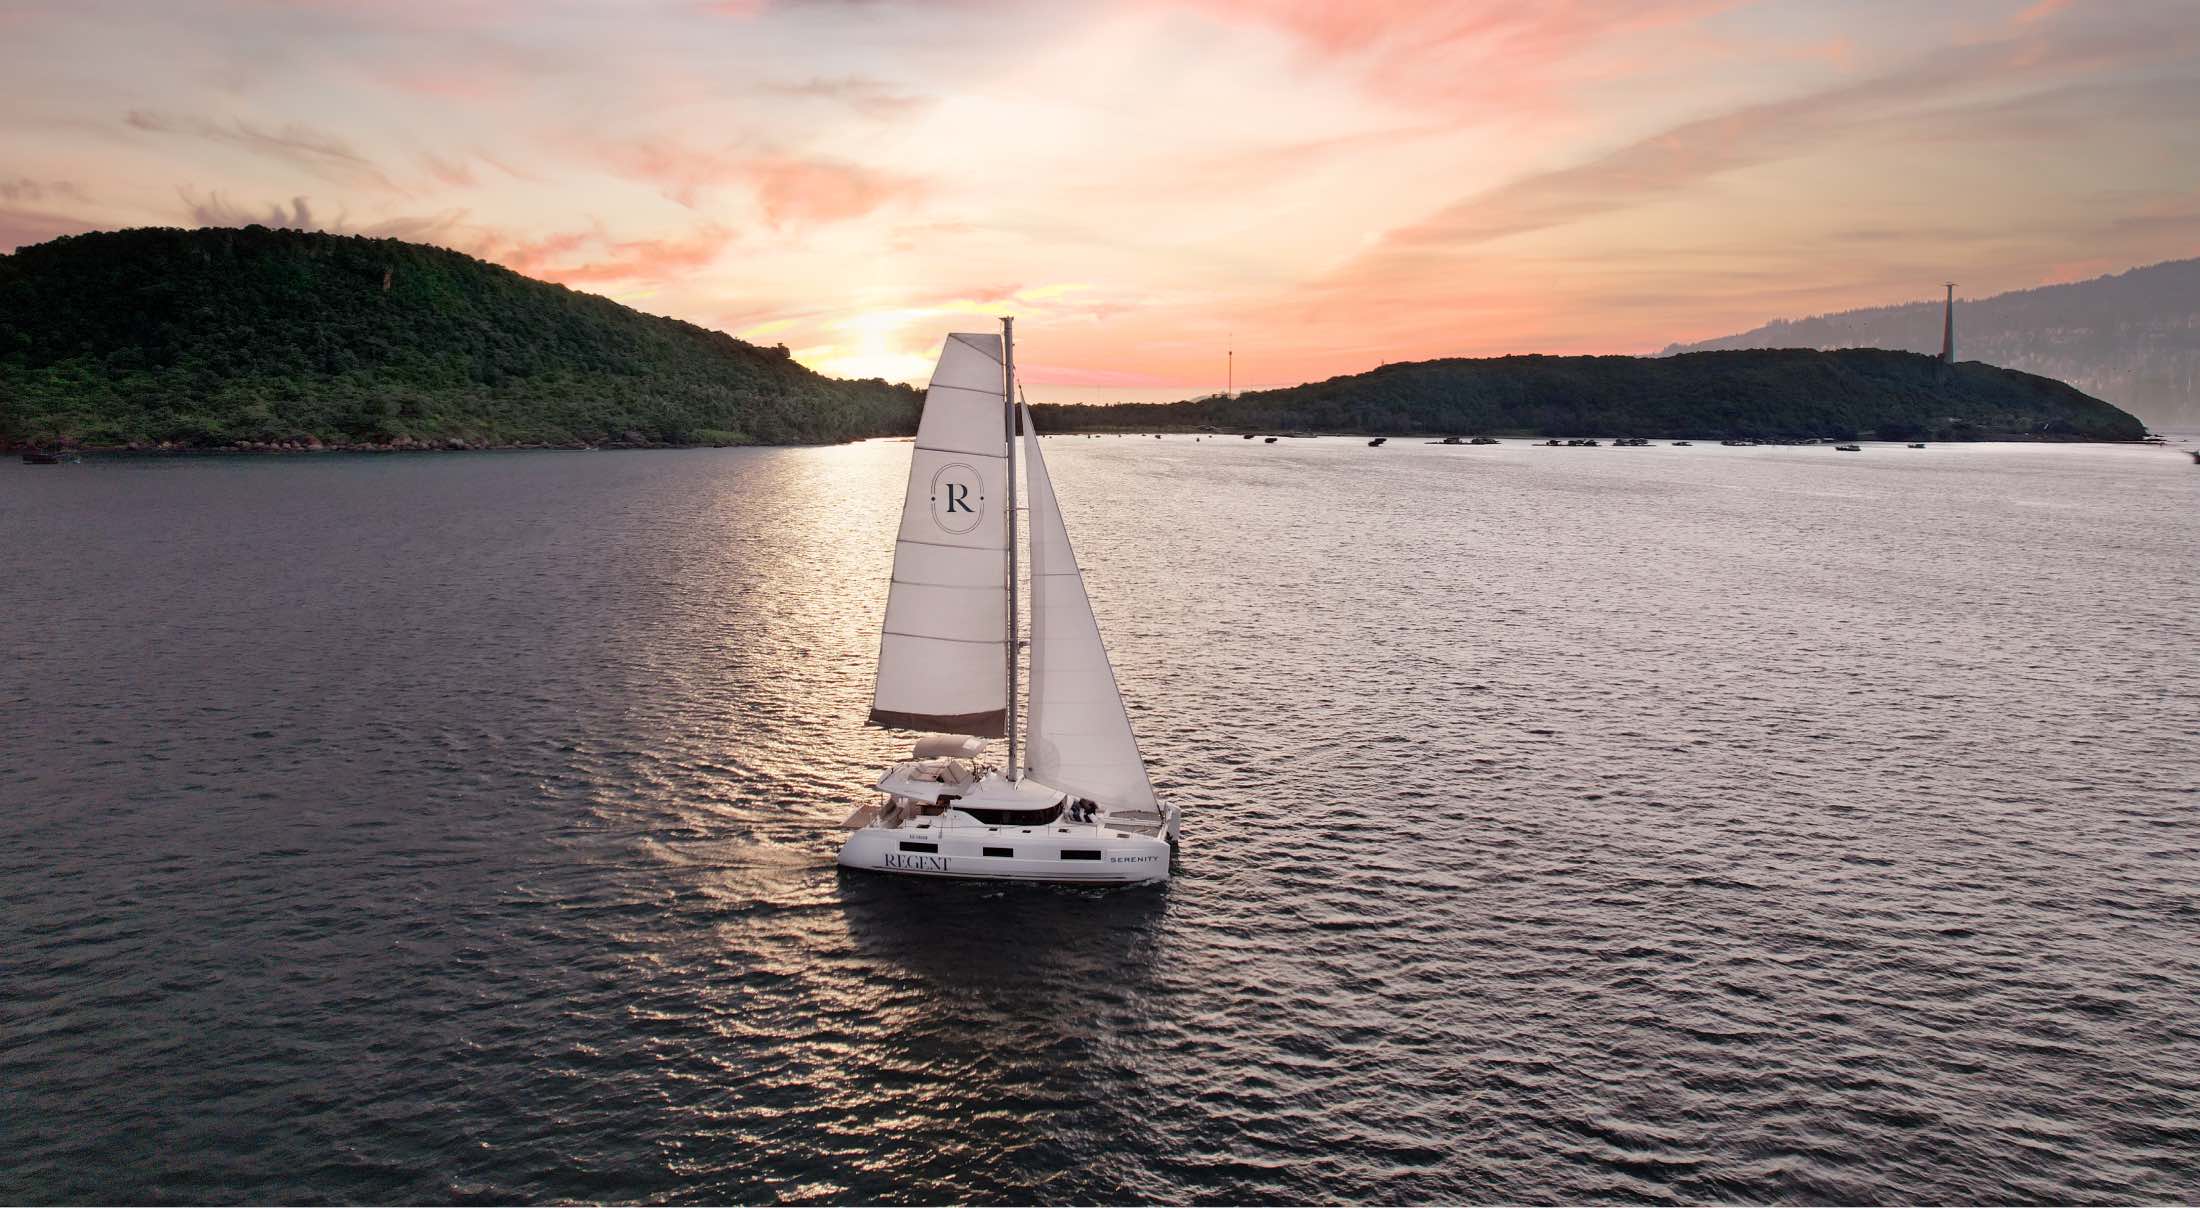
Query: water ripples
x=1648, y=825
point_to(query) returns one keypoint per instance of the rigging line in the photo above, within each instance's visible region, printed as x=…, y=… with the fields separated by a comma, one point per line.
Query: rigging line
x=958, y=337
x=947, y=586
x=933, y=637
x=959, y=452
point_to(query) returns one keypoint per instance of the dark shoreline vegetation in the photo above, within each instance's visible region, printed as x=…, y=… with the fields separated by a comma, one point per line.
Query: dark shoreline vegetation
x=259, y=340
x=1760, y=394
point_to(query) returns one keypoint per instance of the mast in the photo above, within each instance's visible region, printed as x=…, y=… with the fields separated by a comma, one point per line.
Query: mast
x=1008, y=419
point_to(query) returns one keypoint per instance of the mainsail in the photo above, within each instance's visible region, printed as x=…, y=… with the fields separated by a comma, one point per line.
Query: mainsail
x=942, y=656
x=1079, y=738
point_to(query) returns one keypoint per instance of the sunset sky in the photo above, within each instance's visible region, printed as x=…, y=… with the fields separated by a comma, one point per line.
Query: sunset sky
x=1328, y=185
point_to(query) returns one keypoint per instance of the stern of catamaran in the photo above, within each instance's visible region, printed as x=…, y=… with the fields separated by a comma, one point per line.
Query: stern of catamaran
x=950, y=815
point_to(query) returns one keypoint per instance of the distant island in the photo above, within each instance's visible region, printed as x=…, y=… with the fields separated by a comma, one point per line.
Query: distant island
x=1773, y=394
x=251, y=337
x=2132, y=338
x=258, y=339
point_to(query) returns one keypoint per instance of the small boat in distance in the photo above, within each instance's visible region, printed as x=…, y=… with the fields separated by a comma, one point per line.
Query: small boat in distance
x=1377, y=443
x=1682, y=444
x=1072, y=801
x=41, y=457
x=1268, y=440
x=1848, y=448
x=1918, y=444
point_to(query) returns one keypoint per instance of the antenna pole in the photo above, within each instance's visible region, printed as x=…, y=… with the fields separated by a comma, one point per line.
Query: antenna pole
x=1229, y=380
x=1008, y=414
x=1948, y=328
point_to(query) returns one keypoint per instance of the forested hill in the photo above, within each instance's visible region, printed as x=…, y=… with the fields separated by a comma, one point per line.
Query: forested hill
x=222, y=336
x=1772, y=393
x=2132, y=338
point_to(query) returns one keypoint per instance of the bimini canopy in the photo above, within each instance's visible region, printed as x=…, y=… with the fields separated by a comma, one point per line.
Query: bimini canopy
x=995, y=793
x=948, y=746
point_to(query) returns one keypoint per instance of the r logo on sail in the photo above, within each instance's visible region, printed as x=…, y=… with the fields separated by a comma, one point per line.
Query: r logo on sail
x=958, y=498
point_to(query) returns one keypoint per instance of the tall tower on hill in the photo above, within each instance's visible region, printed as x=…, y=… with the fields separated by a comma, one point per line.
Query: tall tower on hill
x=1948, y=328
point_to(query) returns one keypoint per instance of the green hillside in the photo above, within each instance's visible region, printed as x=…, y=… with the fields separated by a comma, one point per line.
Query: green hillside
x=218, y=336
x=1769, y=394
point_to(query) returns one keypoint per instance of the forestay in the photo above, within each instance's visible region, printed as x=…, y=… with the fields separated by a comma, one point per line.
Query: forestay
x=942, y=656
x=1079, y=736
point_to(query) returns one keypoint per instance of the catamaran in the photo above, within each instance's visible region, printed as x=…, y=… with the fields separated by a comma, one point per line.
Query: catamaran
x=1072, y=801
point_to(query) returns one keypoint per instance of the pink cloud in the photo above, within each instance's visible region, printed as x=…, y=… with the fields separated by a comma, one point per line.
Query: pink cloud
x=455, y=173
x=23, y=188
x=1462, y=51
x=681, y=173
x=216, y=210
x=589, y=257
x=2041, y=11
x=794, y=191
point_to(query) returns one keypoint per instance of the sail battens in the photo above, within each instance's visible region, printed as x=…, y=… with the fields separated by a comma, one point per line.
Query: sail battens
x=973, y=389
x=962, y=452
x=933, y=637
x=986, y=345
x=949, y=586
x=934, y=544
x=940, y=644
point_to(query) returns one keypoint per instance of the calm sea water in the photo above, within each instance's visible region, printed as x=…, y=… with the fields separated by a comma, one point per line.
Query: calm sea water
x=1561, y=824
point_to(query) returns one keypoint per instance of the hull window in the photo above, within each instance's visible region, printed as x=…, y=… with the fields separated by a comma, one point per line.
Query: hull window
x=927, y=848
x=1009, y=852
x=1080, y=855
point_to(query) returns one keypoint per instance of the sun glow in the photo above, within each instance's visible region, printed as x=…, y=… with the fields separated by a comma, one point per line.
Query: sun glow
x=875, y=344
x=1137, y=180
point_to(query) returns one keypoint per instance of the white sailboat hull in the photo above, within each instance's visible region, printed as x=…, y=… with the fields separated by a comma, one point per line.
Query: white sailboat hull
x=1098, y=855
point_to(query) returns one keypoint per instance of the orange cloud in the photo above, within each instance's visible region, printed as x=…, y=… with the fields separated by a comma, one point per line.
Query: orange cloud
x=791, y=190
x=806, y=190
x=588, y=257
